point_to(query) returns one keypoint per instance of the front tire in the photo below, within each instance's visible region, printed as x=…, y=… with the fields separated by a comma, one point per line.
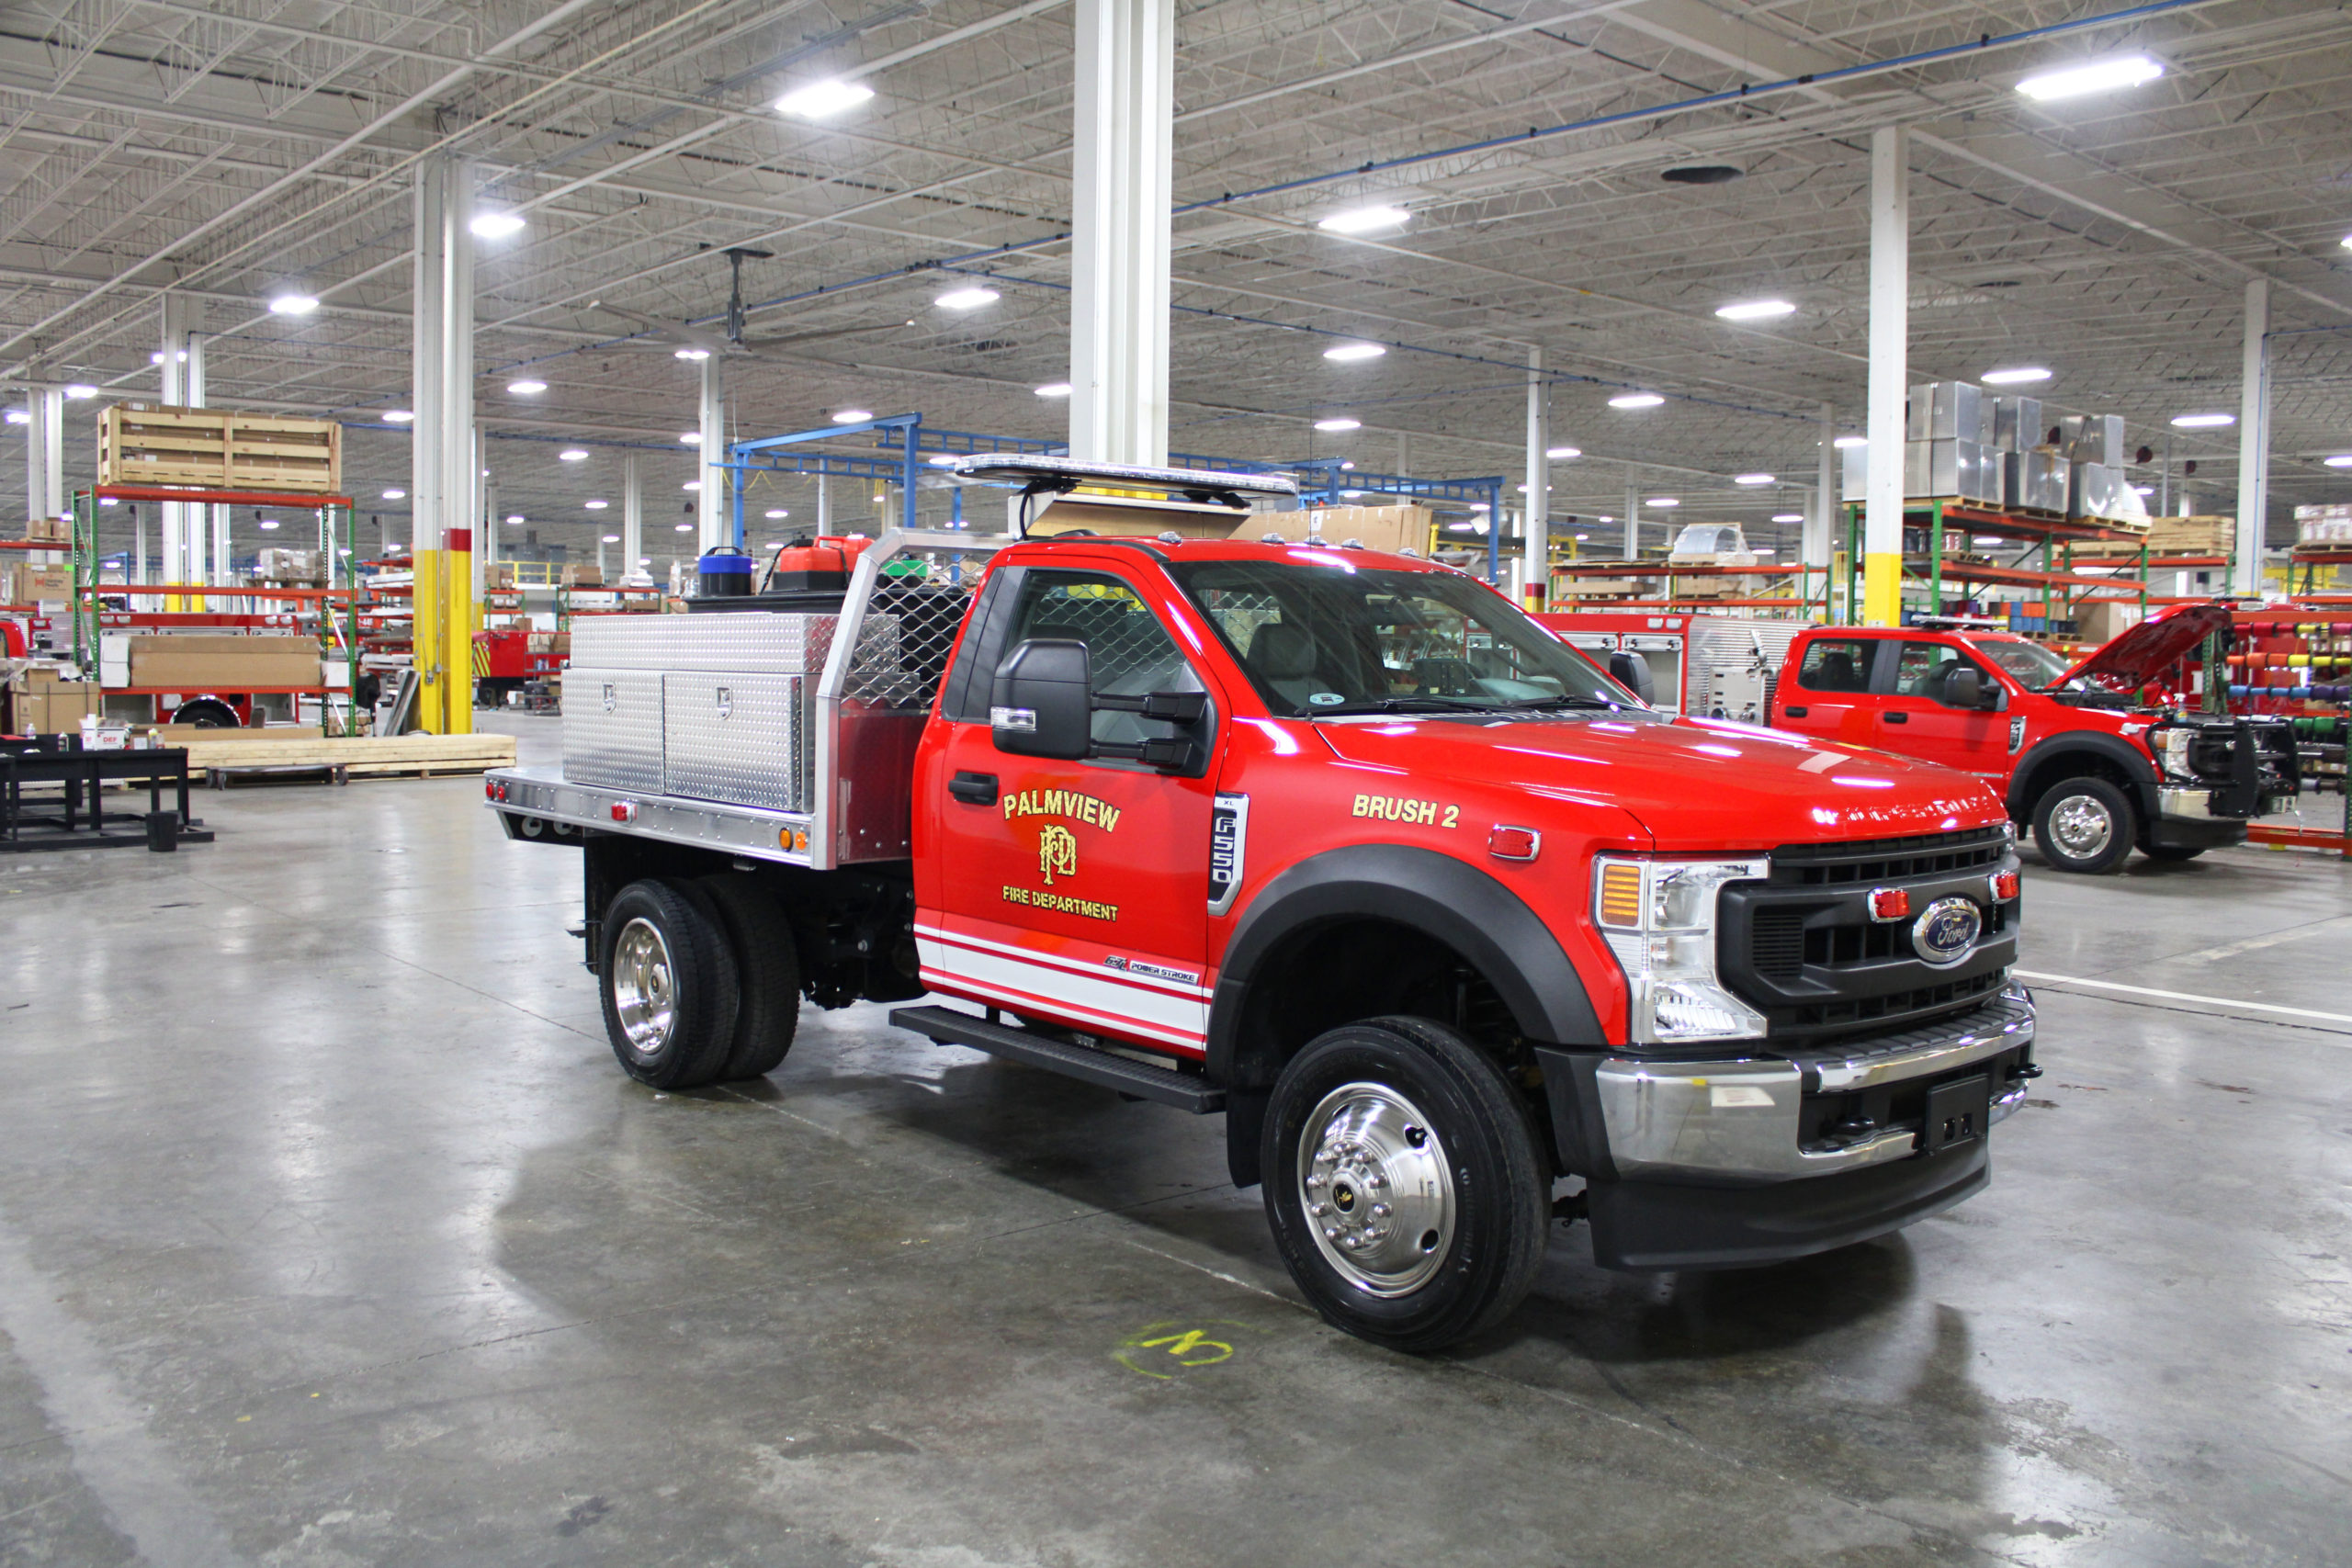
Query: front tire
x=2085, y=825
x=667, y=980
x=1403, y=1183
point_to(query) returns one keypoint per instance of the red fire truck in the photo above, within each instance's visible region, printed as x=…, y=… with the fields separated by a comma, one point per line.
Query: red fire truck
x=1461, y=937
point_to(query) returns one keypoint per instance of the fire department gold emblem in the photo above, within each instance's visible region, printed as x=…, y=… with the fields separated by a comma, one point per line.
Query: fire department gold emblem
x=1057, y=852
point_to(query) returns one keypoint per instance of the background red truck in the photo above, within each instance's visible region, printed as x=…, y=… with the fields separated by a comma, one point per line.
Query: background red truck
x=2095, y=755
x=1459, y=936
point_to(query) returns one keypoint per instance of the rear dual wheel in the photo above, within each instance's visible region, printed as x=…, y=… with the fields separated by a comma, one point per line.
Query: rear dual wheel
x=1403, y=1183
x=699, y=981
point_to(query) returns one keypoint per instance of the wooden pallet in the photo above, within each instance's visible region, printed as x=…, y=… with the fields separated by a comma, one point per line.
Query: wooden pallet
x=218, y=449
x=338, y=760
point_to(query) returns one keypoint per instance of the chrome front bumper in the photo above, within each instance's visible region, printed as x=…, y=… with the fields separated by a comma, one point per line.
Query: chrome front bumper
x=1739, y=1121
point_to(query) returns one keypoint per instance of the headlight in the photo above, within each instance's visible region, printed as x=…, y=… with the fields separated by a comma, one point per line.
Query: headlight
x=1659, y=919
x=2171, y=747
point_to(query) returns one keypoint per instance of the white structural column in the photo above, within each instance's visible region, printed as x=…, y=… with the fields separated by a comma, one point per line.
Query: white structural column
x=1537, y=579
x=443, y=468
x=1889, y=376
x=45, y=453
x=713, y=518
x=2253, y=440
x=1123, y=187
x=181, y=521
x=1633, y=514
x=1821, y=517
x=632, y=514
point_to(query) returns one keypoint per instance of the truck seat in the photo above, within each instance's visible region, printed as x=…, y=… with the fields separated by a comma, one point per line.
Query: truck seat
x=1283, y=655
x=1837, y=674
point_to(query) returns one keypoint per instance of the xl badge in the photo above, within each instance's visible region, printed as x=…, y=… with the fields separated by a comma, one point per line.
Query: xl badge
x=1947, y=933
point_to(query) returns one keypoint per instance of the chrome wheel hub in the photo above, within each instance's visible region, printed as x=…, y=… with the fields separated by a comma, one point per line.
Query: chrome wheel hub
x=643, y=991
x=2082, y=824
x=1377, y=1188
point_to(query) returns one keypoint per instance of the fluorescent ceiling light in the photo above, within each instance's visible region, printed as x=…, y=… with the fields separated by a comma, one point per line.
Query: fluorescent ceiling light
x=686, y=527
x=690, y=484
x=1756, y=310
x=396, y=495
x=1348, y=353
x=594, y=505
x=1350, y=494
x=2144, y=489
x=2015, y=377
x=1751, y=481
x=108, y=500
x=1339, y=424
x=970, y=299
x=266, y=523
x=1635, y=401
x=20, y=416
x=2342, y=461
x=1663, y=500
x=291, y=305
x=1054, y=389
x=527, y=388
x=852, y=416
x=1766, y=550
x=822, y=100
x=499, y=225
x=81, y=389
x=1788, y=517
x=1606, y=518
x=1478, y=506
x=1846, y=442
x=157, y=358
x=2203, y=421
x=1581, y=537
x=1366, y=219
x=2099, y=76
x=691, y=437
x=398, y=416
x=690, y=354
x=1562, y=453
x=610, y=538
x=776, y=512
x=516, y=518
x=573, y=455
x=942, y=460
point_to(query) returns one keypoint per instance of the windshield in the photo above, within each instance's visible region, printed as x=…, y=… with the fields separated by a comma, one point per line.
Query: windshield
x=2033, y=666
x=1325, y=636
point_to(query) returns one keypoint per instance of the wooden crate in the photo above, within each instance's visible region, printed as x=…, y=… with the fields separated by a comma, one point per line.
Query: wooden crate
x=2170, y=536
x=218, y=449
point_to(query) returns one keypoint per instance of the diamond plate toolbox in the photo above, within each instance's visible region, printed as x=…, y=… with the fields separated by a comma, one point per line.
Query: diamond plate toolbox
x=747, y=642
x=734, y=736
x=612, y=727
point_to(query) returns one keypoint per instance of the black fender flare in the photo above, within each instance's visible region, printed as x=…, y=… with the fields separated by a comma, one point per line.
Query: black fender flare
x=1454, y=902
x=2106, y=747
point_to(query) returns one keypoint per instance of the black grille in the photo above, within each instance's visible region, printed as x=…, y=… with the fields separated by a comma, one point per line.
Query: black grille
x=1876, y=860
x=1894, y=1004
x=1778, y=944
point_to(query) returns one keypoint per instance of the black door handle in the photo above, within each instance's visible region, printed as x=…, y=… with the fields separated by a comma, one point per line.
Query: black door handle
x=974, y=789
x=1794, y=712
x=1898, y=718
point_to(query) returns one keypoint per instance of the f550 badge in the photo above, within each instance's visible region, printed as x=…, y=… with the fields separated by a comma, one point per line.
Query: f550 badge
x=1228, y=842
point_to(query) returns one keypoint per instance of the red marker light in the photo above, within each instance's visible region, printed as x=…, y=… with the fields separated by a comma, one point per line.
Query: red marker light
x=2005, y=886
x=623, y=811
x=1514, y=843
x=1890, y=903
x=490, y=788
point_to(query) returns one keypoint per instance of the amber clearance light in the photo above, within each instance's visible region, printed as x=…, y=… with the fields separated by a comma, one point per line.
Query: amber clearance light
x=1620, y=895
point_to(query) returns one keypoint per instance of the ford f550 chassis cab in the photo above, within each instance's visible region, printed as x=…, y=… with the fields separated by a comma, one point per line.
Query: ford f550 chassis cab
x=2080, y=752
x=1338, y=843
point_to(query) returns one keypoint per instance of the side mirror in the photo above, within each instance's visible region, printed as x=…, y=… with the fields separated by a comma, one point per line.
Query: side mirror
x=1037, y=705
x=1964, y=688
x=1632, y=671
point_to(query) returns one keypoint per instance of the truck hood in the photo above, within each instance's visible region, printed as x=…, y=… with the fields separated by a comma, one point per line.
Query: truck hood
x=2145, y=651
x=1697, y=785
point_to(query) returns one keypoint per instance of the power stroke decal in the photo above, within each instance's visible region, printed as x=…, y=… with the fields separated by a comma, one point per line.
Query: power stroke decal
x=1228, y=843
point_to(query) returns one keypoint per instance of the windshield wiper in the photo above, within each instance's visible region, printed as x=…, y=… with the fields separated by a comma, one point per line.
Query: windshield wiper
x=1567, y=700
x=1403, y=704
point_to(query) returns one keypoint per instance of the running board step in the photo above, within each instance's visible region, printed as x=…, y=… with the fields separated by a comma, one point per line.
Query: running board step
x=945, y=1026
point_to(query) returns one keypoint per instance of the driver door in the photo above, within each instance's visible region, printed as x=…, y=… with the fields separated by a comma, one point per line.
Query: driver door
x=1073, y=892
x=1919, y=718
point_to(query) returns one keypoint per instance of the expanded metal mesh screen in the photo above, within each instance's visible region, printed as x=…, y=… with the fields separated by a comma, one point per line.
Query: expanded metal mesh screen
x=909, y=627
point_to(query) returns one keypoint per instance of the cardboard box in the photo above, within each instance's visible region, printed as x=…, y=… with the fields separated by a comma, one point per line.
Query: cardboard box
x=2101, y=621
x=48, y=704
x=2325, y=527
x=47, y=586
x=276, y=563
x=199, y=661
x=583, y=574
x=1390, y=528
x=56, y=530
x=498, y=574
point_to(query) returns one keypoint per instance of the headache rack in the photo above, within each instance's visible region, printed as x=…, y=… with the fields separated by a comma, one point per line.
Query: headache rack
x=785, y=734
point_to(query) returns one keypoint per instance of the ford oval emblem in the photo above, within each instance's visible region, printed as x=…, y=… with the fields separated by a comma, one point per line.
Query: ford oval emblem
x=1946, y=934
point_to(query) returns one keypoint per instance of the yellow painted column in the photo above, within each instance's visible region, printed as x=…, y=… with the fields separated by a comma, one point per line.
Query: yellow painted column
x=428, y=639
x=1883, y=588
x=458, y=626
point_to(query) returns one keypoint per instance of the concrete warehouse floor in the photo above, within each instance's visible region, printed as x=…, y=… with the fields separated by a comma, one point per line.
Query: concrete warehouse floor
x=330, y=1234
